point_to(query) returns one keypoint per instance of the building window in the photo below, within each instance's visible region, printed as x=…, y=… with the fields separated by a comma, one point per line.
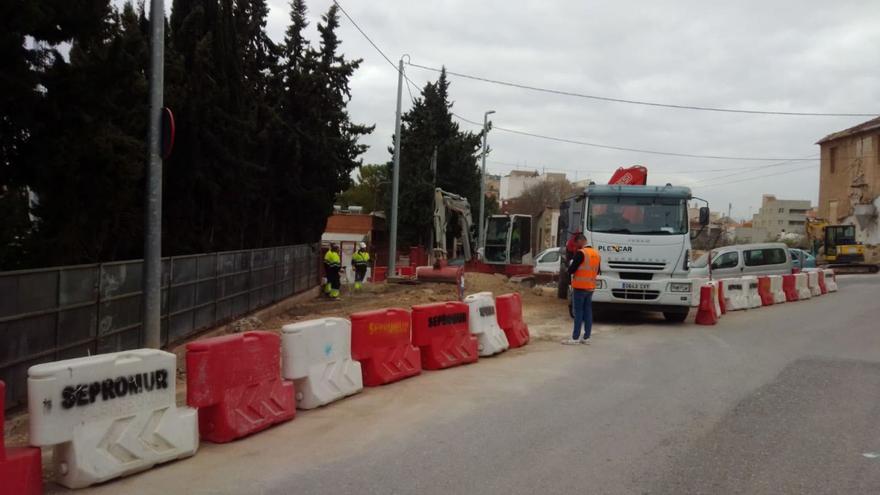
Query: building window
x=779, y=222
x=782, y=210
x=832, y=159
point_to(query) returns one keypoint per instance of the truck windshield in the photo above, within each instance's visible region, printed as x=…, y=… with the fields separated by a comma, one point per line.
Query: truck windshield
x=642, y=216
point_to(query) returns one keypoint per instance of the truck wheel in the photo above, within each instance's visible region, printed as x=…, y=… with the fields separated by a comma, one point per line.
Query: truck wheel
x=675, y=317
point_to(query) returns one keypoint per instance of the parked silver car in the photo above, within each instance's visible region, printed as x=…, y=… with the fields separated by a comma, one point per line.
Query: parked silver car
x=772, y=258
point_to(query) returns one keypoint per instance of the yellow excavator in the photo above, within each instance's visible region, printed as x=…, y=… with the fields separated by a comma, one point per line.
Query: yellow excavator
x=836, y=247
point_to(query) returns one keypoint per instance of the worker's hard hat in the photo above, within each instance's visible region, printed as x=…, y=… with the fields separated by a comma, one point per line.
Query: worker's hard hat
x=362, y=245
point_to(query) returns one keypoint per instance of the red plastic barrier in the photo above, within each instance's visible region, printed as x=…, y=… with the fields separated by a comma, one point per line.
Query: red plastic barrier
x=441, y=332
x=706, y=314
x=379, y=273
x=508, y=308
x=789, y=287
x=406, y=271
x=765, y=291
x=418, y=256
x=21, y=468
x=235, y=381
x=721, y=297
x=381, y=341
x=822, y=286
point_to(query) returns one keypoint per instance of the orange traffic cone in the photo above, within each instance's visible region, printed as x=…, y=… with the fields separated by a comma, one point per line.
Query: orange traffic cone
x=706, y=314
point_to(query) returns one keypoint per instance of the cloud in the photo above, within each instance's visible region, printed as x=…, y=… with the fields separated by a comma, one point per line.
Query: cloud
x=790, y=55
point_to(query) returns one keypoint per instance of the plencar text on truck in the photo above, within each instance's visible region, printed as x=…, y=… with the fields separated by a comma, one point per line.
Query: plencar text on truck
x=642, y=235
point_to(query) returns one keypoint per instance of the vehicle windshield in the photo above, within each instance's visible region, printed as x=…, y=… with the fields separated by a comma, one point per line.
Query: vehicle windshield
x=642, y=216
x=496, y=230
x=701, y=261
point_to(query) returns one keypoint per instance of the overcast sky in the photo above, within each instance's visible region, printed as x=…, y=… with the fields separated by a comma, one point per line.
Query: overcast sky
x=783, y=55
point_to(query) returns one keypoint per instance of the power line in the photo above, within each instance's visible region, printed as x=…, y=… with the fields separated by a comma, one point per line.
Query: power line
x=365, y=35
x=785, y=163
x=753, y=178
x=621, y=148
x=639, y=102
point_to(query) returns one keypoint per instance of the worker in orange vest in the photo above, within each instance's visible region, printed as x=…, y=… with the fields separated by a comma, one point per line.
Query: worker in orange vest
x=583, y=270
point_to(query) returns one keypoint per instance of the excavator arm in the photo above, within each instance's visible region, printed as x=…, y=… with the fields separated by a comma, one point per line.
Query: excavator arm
x=444, y=201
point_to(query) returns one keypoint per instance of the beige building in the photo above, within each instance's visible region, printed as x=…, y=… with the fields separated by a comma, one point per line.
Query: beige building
x=849, y=180
x=544, y=229
x=775, y=217
x=517, y=181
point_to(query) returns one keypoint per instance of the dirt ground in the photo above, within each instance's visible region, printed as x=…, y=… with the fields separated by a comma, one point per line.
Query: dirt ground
x=546, y=315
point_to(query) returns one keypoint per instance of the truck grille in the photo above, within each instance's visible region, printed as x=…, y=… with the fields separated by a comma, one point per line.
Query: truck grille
x=637, y=294
x=636, y=276
x=636, y=265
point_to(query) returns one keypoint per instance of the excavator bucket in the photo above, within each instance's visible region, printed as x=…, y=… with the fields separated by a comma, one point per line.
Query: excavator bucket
x=440, y=272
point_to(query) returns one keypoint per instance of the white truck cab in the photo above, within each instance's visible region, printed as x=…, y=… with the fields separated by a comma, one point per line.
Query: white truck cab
x=642, y=234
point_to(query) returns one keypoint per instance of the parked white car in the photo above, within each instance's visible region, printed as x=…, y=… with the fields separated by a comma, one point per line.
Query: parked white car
x=772, y=258
x=547, y=261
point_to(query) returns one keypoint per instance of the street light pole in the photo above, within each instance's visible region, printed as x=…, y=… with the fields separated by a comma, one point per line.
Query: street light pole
x=152, y=265
x=395, y=177
x=481, y=242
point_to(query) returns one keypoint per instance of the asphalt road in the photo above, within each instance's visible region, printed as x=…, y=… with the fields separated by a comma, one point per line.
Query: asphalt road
x=772, y=401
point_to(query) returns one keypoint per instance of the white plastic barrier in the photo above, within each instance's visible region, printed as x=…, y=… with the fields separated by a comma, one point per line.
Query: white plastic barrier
x=109, y=415
x=813, y=282
x=830, y=280
x=802, y=285
x=750, y=289
x=734, y=294
x=316, y=355
x=484, y=324
x=776, y=289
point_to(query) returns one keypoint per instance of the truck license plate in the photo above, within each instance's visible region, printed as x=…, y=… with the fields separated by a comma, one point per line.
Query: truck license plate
x=633, y=285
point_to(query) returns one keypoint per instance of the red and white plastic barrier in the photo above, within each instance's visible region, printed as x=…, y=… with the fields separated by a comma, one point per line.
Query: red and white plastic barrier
x=484, y=324
x=765, y=292
x=509, y=312
x=789, y=286
x=802, y=285
x=813, y=283
x=830, y=280
x=316, y=355
x=109, y=415
x=235, y=381
x=381, y=340
x=440, y=331
x=734, y=294
x=750, y=289
x=709, y=311
x=21, y=468
x=776, y=289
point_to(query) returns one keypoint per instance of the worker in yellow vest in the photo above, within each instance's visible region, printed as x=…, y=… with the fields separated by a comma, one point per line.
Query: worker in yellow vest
x=332, y=266
x=361, y=261
x=583, y=270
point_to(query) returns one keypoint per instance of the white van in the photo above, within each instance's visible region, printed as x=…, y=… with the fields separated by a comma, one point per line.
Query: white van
x=548, y=261
x=772, y=258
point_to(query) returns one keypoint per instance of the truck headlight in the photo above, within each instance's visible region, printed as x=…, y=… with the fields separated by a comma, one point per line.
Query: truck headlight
x=600, y=283
x=680, y=287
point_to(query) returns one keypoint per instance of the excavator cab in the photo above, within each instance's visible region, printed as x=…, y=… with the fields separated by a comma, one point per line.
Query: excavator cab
x=508, y=240
x=841, y=245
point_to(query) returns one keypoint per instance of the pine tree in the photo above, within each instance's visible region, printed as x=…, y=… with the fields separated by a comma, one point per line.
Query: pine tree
x=426, y=125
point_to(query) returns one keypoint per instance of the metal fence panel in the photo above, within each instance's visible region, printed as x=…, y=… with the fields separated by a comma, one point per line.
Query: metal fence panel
x=58, y=313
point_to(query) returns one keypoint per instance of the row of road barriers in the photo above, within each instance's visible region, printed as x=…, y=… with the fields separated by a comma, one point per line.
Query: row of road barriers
x=751, y=292
x=115, y=414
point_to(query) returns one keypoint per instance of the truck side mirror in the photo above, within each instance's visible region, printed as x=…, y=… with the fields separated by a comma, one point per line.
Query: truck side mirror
x=704, y=215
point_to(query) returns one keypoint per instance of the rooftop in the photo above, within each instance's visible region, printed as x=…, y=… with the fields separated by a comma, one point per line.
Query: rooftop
x=856, y=129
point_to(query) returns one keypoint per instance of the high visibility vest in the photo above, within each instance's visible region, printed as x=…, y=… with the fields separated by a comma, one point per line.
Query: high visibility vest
x=332, y=259
x=361, y=258
x=585, y=276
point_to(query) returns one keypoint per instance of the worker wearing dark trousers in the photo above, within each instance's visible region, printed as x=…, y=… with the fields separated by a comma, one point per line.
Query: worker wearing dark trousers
x=583, y=271
x=332, y=266
x=361, y=261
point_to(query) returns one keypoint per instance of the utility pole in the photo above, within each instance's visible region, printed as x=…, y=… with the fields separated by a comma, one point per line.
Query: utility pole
x=152, y=265
x=395, y=177
x=480, y=235
x=433, y=183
